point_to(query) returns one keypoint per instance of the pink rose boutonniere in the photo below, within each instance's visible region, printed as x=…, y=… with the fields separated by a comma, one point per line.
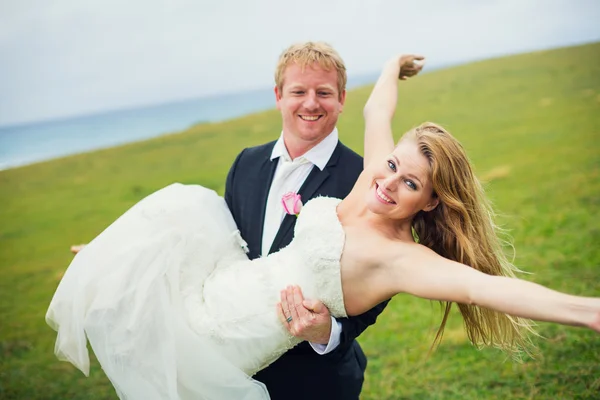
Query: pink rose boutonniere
x=292, y=203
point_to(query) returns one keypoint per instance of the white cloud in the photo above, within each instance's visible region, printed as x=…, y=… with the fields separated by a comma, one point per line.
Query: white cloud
x=68, y=57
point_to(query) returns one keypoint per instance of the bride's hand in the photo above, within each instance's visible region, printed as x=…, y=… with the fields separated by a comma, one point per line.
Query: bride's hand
x=410, y=65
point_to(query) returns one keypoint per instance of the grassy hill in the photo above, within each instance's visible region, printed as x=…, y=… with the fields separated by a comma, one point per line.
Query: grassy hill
x=531, y=125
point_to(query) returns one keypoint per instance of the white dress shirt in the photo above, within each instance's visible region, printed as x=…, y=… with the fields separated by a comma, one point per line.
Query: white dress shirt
x=289, y=177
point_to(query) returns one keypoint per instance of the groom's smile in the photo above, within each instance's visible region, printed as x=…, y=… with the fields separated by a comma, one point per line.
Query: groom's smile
x=310, y=117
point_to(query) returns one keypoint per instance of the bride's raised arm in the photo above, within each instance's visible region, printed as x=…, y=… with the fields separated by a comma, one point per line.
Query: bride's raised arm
x=431, y=276
x=379, y=109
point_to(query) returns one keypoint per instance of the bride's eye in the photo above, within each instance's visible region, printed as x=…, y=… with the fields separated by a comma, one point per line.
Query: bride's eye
x=411, y=184
x=391, y=165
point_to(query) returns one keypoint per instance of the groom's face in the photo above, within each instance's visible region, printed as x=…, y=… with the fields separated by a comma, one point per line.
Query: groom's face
x=310, y=103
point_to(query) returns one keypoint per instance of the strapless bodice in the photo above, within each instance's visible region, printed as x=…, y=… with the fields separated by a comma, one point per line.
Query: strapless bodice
x=236, y=305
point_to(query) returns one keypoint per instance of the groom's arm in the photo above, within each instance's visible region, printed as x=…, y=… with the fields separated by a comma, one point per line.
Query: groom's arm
x=352, y=327
x=310, y=320
x=334, y=339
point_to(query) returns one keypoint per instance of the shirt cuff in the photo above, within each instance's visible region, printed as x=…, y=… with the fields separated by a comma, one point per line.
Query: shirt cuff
x=334, y=339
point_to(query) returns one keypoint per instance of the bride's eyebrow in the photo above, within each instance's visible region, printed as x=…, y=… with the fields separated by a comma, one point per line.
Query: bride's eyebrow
x=414, y=177
x=411, y=176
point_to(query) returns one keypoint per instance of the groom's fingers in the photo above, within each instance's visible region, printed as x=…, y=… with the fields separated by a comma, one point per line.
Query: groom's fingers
x=293, y=306
x=285, y=307
x=76, y=248
x=282, y=316
x=315, y=306
x=298, y=303
x=305, y=319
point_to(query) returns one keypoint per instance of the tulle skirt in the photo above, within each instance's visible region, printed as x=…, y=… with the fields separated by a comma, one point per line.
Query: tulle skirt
x=124, y=292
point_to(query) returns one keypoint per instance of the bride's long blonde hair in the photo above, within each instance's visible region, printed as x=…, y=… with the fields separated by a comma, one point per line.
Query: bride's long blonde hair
x=462, y=228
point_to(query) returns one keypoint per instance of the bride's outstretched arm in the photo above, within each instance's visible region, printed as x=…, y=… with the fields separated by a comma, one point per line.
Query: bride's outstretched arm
x=433, y=277
x=379, y=109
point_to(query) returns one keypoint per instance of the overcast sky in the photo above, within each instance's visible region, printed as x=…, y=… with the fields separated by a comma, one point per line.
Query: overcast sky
x=68, y=57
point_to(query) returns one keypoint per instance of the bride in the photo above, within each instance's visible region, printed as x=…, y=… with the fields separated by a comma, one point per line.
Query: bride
x=173, y=308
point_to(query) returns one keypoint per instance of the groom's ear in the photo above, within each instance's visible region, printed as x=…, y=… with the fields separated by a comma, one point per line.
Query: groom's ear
x=277, y=97
x=342, y=100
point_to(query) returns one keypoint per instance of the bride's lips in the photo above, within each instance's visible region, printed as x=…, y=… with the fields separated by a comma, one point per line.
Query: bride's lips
x=382, y=197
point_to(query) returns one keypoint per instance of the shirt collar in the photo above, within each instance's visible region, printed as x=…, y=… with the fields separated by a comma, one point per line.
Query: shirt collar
x=318, y=155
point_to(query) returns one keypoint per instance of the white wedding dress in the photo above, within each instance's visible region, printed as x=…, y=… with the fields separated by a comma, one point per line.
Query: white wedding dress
x=174, y=309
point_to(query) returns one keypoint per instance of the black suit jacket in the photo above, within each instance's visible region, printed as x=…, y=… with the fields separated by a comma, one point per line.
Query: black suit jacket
x=301, y=373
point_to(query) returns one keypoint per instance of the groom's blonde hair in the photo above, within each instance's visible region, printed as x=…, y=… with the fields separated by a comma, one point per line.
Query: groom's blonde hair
x=308, y=53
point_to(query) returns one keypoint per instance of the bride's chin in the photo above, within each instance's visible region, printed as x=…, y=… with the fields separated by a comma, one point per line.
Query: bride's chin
x=374, y=207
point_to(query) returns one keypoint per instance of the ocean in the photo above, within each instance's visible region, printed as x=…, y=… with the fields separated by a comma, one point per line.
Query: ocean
x=29, y=143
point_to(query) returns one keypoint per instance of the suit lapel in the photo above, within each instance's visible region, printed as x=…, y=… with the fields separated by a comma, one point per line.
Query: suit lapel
x=311, y=185
x=267, y=170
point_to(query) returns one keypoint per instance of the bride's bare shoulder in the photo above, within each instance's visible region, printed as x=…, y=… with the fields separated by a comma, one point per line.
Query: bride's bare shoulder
x=402, y=255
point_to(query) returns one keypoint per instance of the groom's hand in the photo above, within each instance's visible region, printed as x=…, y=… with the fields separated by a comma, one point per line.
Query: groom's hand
x=76, y=248
x=305, y=319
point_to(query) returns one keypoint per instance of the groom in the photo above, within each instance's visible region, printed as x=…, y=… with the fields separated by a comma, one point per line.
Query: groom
x=307, y=159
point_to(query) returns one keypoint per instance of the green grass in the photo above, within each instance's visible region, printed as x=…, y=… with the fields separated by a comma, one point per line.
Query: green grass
x=531, y=125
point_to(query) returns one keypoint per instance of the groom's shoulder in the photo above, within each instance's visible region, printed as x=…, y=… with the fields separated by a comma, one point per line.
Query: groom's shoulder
x=349, y=156
x=348, y=151
x=257, y=152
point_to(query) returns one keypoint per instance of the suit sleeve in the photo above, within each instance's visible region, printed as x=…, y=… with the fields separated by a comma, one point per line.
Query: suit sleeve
x=230, y=183
x=352, y=327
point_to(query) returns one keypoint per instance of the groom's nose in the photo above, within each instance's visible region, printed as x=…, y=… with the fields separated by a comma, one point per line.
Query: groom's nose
x=310, y=101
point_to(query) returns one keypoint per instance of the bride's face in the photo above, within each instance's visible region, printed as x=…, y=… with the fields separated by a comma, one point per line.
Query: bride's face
x=401, y=184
